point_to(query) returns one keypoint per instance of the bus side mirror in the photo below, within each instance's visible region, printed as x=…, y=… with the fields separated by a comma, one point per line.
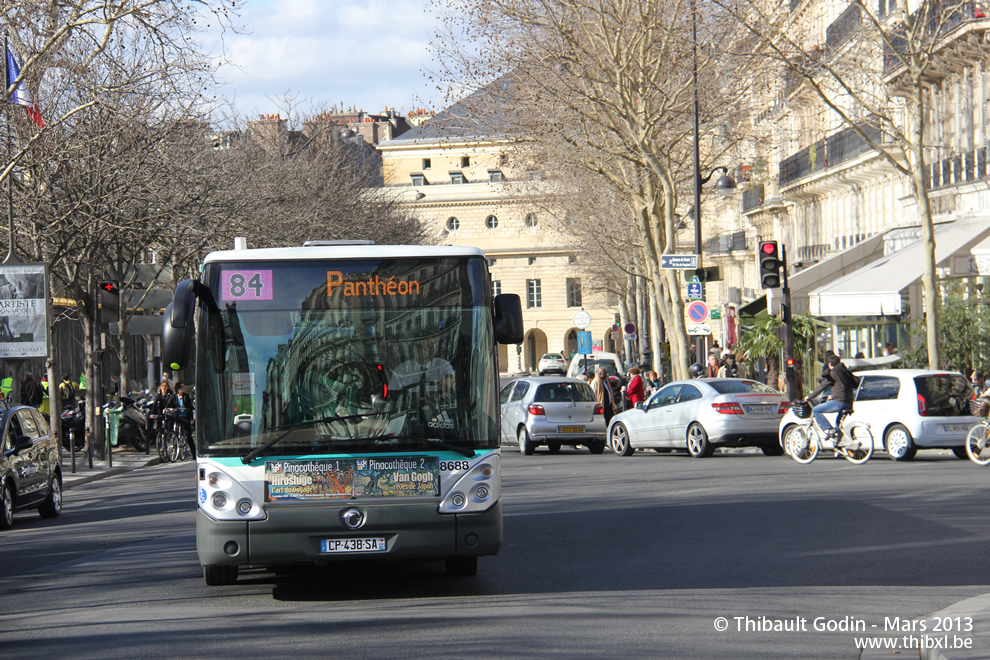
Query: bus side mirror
x=508, y=319
x=178, y=326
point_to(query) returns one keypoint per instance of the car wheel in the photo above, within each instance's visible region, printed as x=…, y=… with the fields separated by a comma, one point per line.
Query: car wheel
x=597, y=447
x=52, y=506
x=620, y=441
x=219, y=575
x=772, y=450
x=554, y=447
x=526, y=445
x=899, y=443
x=697, y=442
x=6, y=507
x=960, y=452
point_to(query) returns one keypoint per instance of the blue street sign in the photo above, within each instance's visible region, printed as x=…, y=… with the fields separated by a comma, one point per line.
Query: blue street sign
x=694, y=291
x=584, y=341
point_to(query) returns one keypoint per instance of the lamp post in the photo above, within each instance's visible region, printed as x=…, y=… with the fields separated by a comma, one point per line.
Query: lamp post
x=724, y=185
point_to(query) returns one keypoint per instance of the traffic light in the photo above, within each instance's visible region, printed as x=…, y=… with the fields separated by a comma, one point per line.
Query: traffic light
x=789, y=369
x=709, y=274
x=769, y=257
x=109, y=302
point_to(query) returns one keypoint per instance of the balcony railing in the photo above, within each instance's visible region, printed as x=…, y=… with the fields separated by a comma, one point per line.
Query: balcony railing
x=752, y=197
x=970, y=166
x=726, y=243
x=834, y=150
x=844, y=27
x=941, y=22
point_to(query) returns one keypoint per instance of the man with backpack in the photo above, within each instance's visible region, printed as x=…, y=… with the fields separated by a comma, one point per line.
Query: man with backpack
x=67, y=391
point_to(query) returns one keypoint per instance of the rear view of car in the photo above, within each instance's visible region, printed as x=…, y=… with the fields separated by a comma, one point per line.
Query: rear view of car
x=552, y=362
x=552, y=412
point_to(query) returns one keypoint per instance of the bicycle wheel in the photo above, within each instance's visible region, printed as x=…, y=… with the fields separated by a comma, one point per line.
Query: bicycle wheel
x=978, y=444
x=173, y=445
x=162, y=446
x=859, y=447
x=803, y=445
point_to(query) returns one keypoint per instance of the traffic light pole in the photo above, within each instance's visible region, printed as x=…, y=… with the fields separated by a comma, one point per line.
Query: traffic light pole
x=785, y=308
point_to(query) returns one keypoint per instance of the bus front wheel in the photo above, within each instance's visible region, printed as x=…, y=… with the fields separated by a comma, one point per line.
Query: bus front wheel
x=461, y=566
x=219, y=575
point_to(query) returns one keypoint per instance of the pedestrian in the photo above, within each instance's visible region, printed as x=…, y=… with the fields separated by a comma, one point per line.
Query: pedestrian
x=652, y=383
x=889, y=349
x=713, y=365
x=731, y=368
x=67, y=391
x=603, y=392
x=979, y=382
x=186, y=419
x=114, y=385
x=635, y=389
x=31, y=392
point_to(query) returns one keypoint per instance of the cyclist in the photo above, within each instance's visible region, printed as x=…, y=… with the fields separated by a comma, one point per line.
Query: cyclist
x=843, y=385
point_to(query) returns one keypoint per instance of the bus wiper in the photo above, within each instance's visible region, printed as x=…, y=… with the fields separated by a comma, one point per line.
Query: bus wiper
x=423, y=442
x=255, y=453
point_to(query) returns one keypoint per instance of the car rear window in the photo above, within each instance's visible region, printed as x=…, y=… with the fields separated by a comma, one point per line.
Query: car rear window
x=741, y=386
x=552, y=392
x=593, y=367
x=945, y=395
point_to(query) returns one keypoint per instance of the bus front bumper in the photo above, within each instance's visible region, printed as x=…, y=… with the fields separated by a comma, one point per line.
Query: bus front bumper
x=295, y=534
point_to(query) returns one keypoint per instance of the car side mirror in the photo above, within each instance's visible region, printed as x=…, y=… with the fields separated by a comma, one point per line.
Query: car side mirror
x=639, y=404
x=23, y=442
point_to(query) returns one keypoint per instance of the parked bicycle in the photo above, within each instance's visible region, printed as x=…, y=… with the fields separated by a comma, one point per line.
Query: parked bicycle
x=171, y=439
x=978, y=438
x=852, y=441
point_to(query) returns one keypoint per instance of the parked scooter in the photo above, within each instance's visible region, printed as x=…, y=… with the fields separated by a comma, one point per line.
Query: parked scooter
x=74, y=426
x=133, y=425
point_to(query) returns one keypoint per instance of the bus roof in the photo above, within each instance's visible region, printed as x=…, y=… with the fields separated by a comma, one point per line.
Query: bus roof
x=329, y=252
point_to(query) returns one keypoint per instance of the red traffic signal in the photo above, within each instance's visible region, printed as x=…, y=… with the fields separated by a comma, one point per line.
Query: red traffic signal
x=109, y=287
x=769, y=265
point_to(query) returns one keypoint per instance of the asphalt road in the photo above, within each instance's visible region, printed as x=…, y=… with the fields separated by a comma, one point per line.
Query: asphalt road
x=604, y=556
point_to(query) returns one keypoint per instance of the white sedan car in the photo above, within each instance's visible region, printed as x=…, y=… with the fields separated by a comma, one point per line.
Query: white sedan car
x=552, y=362
x=908, y=410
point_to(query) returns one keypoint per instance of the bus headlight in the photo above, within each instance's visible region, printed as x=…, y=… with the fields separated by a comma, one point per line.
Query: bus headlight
x=224, y=495
x=477, y=490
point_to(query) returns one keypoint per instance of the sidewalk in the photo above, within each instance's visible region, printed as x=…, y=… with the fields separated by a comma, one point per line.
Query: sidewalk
x=124, y=460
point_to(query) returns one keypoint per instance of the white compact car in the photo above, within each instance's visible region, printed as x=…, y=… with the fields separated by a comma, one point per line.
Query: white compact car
x=908, y=410
x=552, y=362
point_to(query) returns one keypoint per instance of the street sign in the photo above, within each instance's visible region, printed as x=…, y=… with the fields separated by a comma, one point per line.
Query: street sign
x=631, y=336
x=716, y=314
x=694, y=291
x=664, y=351
x=696, y=329
x=630, y=328
x=678, y=261
x=582, y=319
x=584, y=342
x=697, y=311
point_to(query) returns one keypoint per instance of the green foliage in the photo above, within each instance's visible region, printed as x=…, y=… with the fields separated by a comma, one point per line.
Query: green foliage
x=962, y=334
x=761, y=340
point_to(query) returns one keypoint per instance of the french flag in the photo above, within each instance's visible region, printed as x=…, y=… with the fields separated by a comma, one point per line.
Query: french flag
x=21, y=95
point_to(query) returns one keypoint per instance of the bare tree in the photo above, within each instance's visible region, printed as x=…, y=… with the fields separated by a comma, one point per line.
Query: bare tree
x=607, y=87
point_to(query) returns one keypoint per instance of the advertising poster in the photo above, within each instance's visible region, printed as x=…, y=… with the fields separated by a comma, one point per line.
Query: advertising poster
x=347, y=478
x=23, y=312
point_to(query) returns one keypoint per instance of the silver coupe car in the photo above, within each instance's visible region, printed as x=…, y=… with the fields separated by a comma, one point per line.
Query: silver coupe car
x=702, y=414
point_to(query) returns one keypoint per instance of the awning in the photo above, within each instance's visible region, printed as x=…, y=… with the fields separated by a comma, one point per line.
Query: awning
x=827, y=271
x=875, y=290
x=752, y=310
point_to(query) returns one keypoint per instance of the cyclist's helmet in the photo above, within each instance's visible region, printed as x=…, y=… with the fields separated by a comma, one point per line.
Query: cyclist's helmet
x=696, y=370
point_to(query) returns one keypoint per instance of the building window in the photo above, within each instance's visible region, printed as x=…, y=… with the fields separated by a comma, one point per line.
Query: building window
x=532, y=261
x=453, y=223
x=456, y=177
x=494, y=176
x=418, y=179
x=503, y=160
x=573, y=292
x=496, y=287
x=492, y=262
x=534, y=297
x=491, y=222
x=426, y=163
x=465, y=161
x=530, y=220
x=572, y=258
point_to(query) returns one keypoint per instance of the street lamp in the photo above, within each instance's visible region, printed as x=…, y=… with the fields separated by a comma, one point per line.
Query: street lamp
x=724, y=185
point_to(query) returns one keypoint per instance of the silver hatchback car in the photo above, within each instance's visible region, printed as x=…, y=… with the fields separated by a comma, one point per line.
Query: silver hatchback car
x=553, y=412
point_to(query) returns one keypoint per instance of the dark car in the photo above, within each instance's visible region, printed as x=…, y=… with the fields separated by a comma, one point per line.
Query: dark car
x=30, y=466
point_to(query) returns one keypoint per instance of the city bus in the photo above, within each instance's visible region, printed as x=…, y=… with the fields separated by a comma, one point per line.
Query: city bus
x=346, y=404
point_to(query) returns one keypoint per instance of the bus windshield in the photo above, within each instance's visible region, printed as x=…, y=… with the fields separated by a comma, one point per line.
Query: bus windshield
x=345, y=356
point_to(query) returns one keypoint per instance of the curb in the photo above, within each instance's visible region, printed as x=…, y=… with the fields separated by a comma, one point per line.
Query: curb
x=69, y=481
x=976, y=610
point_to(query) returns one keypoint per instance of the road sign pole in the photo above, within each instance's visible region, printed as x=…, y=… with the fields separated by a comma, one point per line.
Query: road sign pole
x=792, y=393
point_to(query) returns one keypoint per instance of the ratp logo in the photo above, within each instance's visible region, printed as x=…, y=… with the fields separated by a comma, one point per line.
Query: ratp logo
x=362, y=464
x=202, y=496
x=276, y=467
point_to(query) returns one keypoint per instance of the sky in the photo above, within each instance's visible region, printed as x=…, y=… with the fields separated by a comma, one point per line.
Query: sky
x=366, y=54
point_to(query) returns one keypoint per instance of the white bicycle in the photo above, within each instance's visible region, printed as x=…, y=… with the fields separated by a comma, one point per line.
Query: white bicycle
x=852, y=441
